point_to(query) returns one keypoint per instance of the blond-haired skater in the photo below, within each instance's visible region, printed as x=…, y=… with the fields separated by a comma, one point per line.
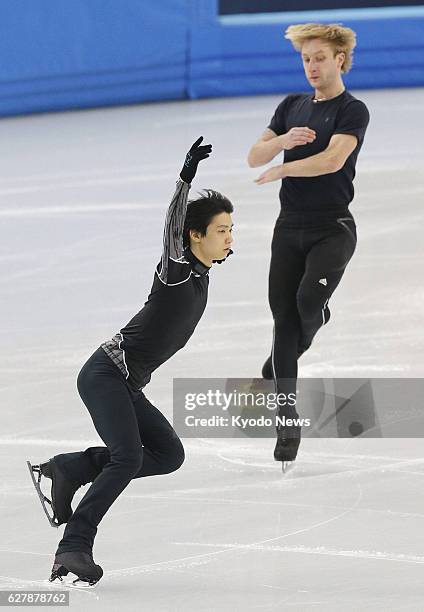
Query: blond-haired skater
x=321, y=134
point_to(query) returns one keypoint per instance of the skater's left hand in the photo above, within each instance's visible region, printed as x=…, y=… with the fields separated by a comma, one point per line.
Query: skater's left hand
x=272, y=174
x=193, y=157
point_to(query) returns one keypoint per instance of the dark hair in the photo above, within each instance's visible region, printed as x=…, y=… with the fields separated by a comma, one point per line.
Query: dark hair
x=201, y=211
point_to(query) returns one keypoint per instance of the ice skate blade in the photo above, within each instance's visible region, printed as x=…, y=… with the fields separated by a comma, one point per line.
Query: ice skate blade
x=69, y=583
x=78, y=583
x=57, y=578
x=43, y=499
x=287, y=466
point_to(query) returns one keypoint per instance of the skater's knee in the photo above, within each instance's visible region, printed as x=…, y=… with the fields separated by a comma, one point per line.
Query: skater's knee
x=309, y=302
x=175, y=457
x=283, y=314
x=85, y=381
x=130, y=462
x=81, y=381
x=179, y=456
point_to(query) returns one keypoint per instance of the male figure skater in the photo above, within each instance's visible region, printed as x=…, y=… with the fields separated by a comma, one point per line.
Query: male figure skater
x=314, y=238
x=139, y=440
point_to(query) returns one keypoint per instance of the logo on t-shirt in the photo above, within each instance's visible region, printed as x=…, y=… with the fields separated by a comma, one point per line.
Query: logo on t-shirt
x=323, y=281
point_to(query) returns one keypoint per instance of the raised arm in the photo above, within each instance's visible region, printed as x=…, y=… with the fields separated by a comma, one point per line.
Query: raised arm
x=174, y=223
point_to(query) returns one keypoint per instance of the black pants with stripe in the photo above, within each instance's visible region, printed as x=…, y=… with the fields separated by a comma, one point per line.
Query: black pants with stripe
x=139, y=442
x=310, y=252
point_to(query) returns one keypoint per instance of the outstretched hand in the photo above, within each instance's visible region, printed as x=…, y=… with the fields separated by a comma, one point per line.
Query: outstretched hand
x=272, y=174
x=193, y=157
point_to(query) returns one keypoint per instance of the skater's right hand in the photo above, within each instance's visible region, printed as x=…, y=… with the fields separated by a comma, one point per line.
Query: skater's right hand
x=193, y=157
x=297, y=136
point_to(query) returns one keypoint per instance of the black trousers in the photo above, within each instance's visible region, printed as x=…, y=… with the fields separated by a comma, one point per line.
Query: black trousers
x=139, y=442
x=310, y=252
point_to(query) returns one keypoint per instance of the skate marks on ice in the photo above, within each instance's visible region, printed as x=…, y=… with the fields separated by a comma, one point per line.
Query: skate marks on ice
x=204, y=558
x=315, y=550
x=266, y=546
x=271, y=545
x=314, y=464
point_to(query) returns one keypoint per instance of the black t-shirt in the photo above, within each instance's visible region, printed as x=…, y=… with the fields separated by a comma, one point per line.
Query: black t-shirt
x=343, y=114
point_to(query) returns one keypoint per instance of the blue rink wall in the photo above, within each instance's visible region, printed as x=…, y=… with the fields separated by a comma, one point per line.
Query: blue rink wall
x=59, y=55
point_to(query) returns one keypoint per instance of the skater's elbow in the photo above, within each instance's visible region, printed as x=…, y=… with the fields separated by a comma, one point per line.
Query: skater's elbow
x=334, y=164
x=257, y=157
x=252, y=160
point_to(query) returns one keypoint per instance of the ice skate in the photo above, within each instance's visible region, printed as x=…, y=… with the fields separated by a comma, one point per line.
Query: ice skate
x=57, y=509
x=286, y=447
x=81, y=564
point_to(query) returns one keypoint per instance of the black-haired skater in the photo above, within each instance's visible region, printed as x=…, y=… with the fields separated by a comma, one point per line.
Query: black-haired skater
x=138, y=439
x=315, y=234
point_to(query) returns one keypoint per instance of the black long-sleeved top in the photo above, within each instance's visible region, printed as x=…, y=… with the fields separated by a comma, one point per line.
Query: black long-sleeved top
x=175, y=304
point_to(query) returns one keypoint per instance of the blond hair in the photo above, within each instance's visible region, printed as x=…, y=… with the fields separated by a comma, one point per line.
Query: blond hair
x=342, y=39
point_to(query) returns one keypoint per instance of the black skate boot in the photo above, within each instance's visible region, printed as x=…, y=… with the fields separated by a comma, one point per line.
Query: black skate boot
x=79, y=563
x=286, y=447
x=267, y=369
x=62, y=491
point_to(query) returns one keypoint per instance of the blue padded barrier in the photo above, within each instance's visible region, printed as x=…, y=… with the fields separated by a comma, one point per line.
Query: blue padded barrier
x=248, y=54
x=61, y=54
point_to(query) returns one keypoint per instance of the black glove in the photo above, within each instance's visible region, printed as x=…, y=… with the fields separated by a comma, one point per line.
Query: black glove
x=193, y=157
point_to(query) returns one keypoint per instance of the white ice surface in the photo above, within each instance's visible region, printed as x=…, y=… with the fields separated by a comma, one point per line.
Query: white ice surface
x=82, y=202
